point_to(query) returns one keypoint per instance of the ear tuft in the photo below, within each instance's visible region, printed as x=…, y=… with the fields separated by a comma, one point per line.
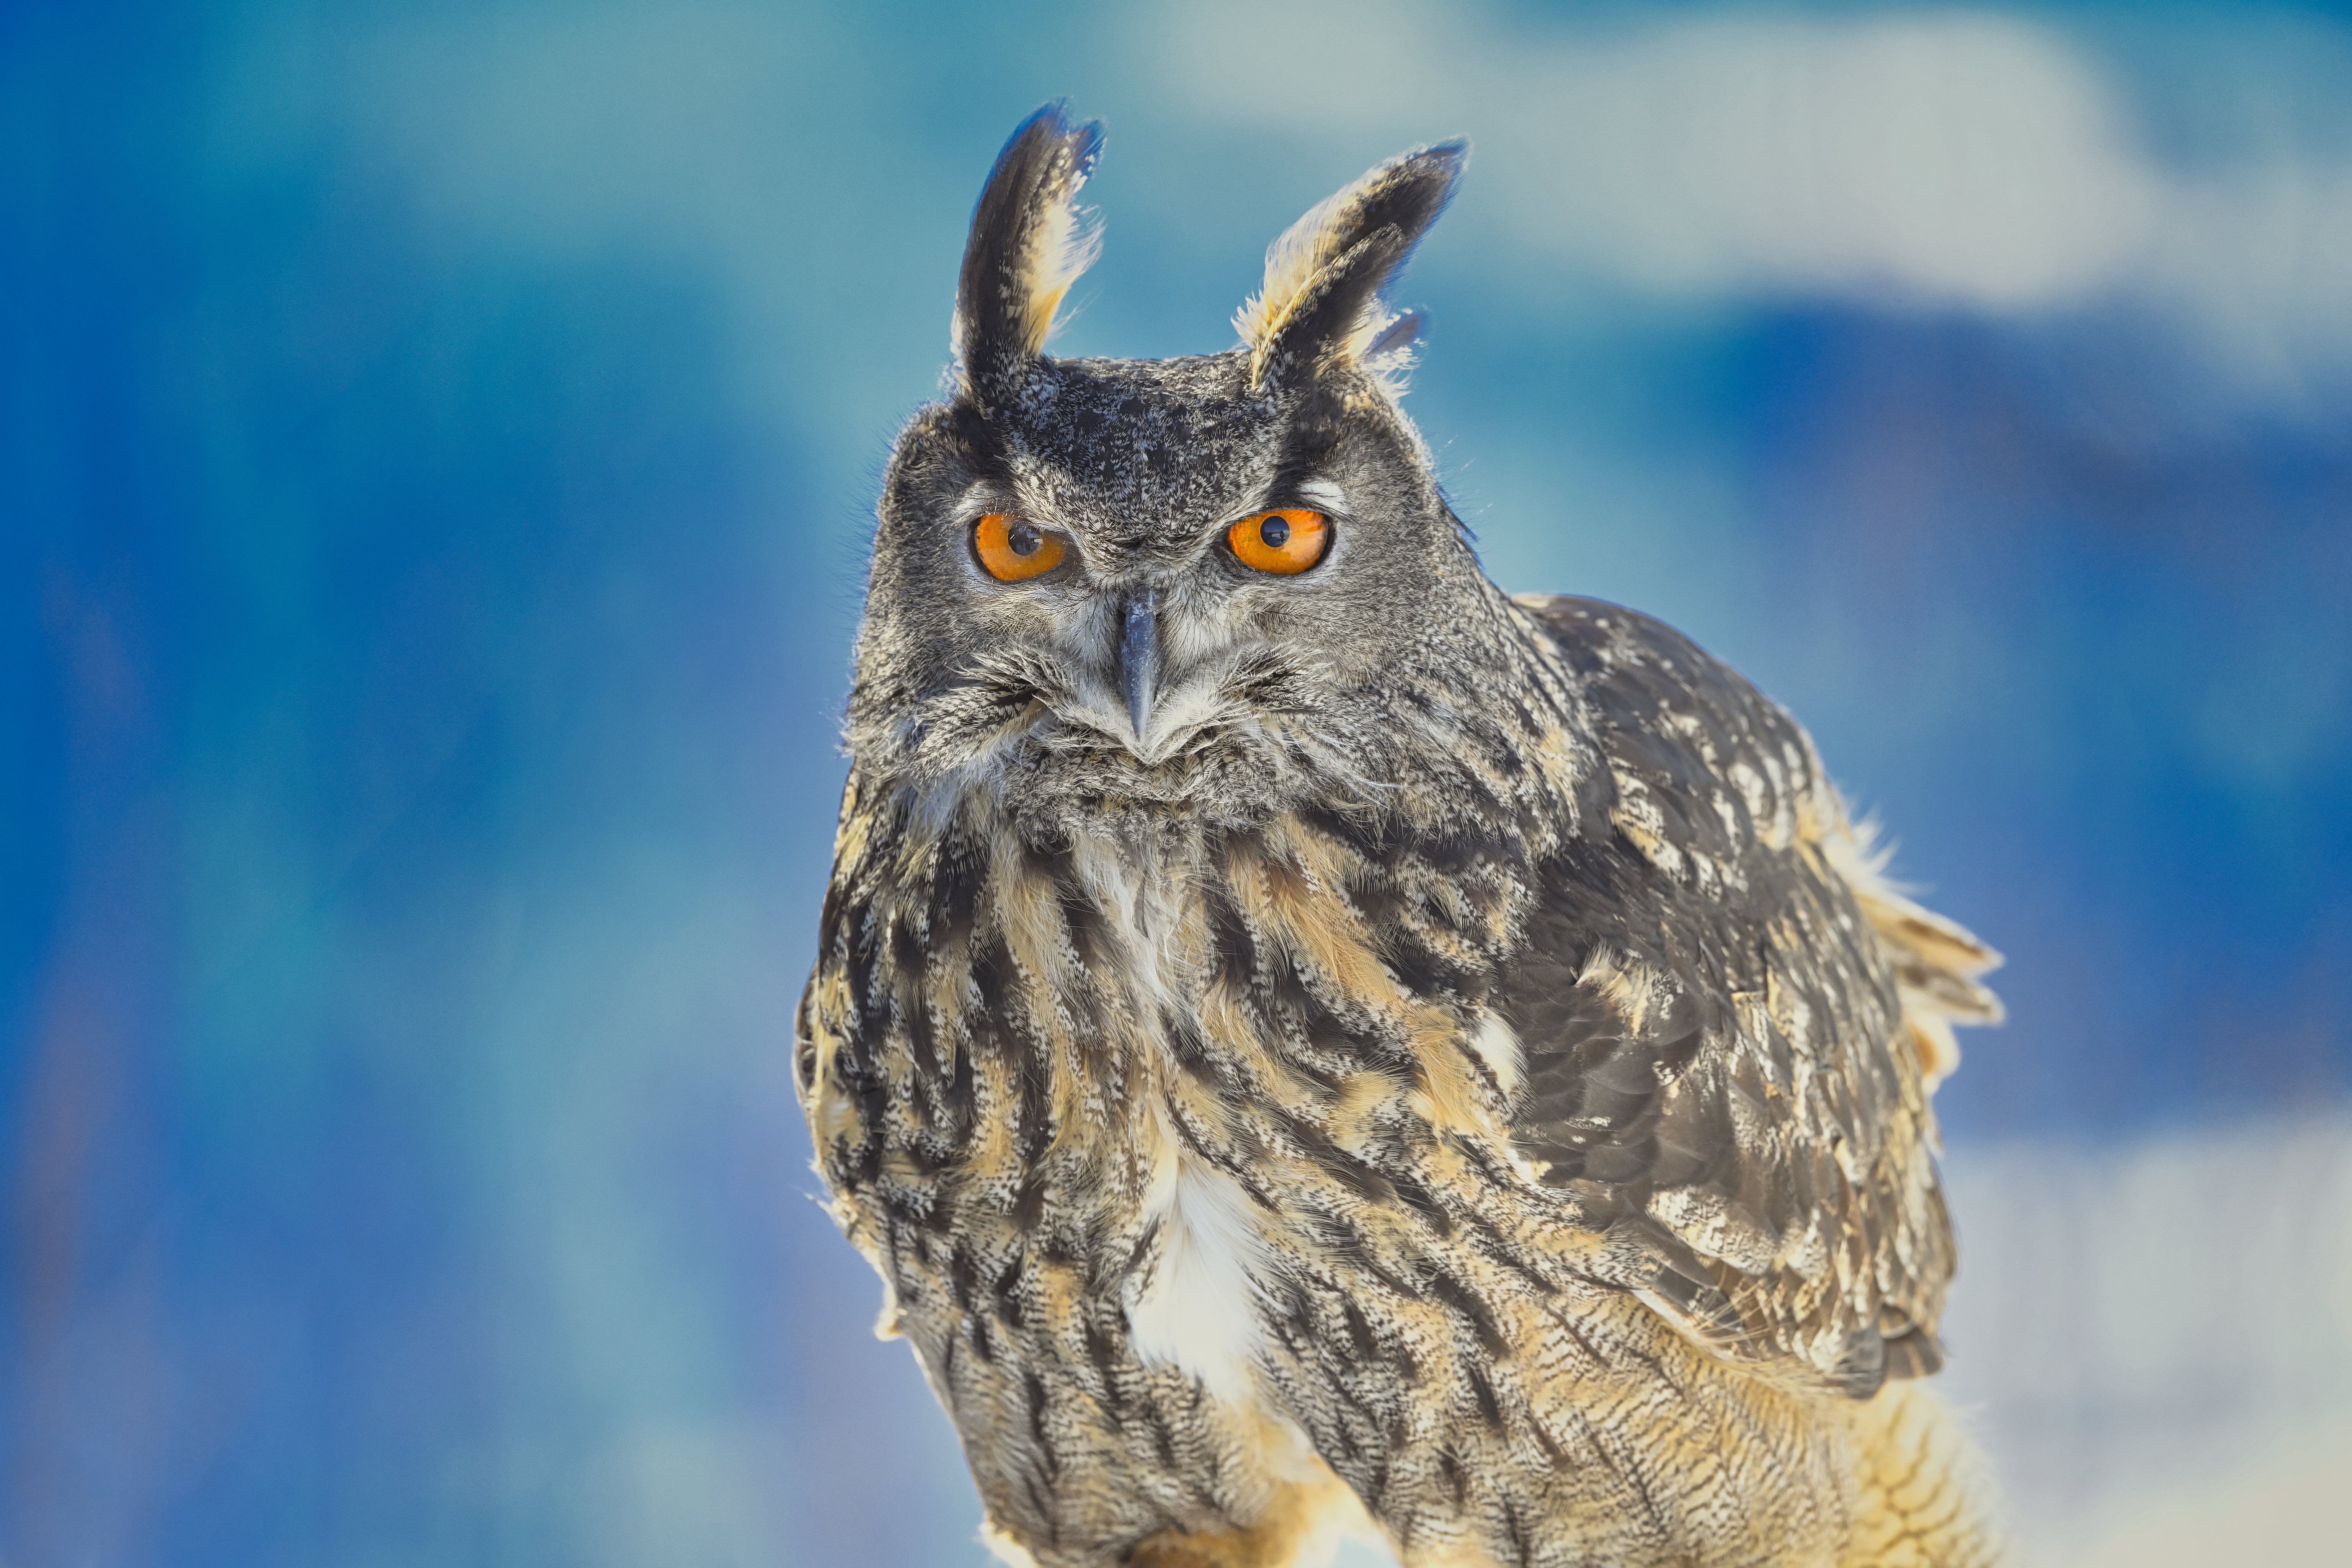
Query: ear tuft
x=1030, y=240
x=1323, y=278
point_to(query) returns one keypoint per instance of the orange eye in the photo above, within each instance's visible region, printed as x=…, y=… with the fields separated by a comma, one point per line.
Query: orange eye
x=1284, y=542
x=1012, y=549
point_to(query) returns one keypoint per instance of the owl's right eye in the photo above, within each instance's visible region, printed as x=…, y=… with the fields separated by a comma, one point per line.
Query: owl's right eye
x=1284, y=542
x=1012, y=549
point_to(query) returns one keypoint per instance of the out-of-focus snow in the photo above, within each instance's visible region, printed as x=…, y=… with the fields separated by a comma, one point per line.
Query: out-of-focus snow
x=2155, y=1342
x=2281, y=1507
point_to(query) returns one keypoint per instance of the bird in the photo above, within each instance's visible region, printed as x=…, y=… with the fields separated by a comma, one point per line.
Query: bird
x=1313, y=1043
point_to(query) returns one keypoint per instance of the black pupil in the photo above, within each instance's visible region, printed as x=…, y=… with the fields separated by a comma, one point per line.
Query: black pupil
x=1023, y=539
x=1275, y=532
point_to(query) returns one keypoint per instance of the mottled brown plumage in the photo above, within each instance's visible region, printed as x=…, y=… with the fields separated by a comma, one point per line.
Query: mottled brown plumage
x=1355, y=1046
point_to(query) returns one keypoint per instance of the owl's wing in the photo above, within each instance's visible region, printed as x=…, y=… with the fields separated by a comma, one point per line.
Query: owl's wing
x=1730, y=1022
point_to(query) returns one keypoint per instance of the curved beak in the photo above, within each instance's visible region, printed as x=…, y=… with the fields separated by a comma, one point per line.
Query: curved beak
x=1139, y=658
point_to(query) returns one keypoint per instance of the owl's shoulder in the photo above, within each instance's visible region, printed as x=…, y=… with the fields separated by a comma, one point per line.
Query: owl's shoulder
x=1712, y=1020
x=1705, y=765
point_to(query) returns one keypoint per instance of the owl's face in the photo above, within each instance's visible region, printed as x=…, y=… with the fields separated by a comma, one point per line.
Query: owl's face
x=1098, y=581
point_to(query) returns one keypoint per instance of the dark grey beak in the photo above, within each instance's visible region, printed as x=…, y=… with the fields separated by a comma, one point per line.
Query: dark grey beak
x=1139, y=658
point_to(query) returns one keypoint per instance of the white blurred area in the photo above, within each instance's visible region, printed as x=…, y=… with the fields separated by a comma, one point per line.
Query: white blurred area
x=1954, y=159
x=2155, y=1342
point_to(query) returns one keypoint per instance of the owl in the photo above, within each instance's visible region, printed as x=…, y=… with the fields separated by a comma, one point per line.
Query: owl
x=1314, y=1043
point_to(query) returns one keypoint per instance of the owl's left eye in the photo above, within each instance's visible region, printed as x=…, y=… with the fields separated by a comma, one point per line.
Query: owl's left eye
x=1012, y=549
x=1284, y=542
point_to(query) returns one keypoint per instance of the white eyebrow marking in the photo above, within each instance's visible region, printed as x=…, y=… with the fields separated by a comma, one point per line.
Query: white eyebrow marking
x=1326, y=495
x=979, y=499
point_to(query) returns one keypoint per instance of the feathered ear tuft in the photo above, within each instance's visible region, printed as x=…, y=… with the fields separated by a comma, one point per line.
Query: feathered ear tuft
x=1030, y=240
x=1320, y=303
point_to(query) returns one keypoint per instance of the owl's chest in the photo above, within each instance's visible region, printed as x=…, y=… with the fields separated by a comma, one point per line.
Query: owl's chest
x=1234, y=1061
x=1147, y=1080
x=1192, y=1285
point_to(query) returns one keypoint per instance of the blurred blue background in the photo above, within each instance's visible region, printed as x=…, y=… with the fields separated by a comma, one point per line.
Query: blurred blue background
x=436, y=450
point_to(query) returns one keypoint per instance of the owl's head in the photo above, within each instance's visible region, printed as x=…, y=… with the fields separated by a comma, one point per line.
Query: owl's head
x=1189, y=582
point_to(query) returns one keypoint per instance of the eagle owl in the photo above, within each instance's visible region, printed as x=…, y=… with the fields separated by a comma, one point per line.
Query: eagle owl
x=1312, y=1042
